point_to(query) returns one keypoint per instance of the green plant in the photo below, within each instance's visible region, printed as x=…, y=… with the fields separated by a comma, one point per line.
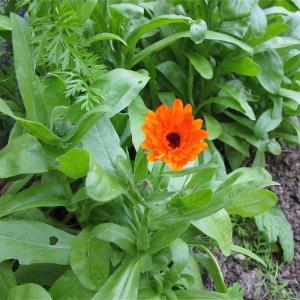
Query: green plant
x=86, y=216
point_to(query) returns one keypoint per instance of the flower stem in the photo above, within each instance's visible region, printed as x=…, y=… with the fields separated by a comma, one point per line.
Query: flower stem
x=159, y=177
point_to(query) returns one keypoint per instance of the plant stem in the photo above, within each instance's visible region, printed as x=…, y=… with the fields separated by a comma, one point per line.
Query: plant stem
x=159, y=177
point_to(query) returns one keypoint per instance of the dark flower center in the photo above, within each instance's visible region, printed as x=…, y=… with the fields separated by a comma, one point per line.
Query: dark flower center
x=173, y=139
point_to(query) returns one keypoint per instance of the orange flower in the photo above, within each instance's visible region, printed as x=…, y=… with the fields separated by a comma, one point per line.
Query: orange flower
x=173, y=135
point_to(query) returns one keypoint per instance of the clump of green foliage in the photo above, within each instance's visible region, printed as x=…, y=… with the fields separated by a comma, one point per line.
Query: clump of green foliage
x=86, y=216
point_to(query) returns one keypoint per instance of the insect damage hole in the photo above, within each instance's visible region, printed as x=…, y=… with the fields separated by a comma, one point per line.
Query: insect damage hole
x=53, y=240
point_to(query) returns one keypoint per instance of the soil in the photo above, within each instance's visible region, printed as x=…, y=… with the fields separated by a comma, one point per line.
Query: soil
x=285, y=170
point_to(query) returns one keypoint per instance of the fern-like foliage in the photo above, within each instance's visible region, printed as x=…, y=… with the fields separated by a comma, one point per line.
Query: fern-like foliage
x=60, y=43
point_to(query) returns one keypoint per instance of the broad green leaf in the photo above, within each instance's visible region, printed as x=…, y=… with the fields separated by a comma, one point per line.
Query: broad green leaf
x=235, y=9
x=41, y=195
x=42, y=274
x=237, y=91
x=5, y=23
x=201, y=64
x=54, y=92
x=174, y=75
x=163, y=237
x=191, y=202
x=128, y=10
x=274, y=225
x=266, y=123
x=248, y=253
x=137, y=113
x=294, y=95
x=150, y=25
x=123, y=283
x=241, y=65
x=84, y=9
x=180, y=254
x=74, y=163
x=218, y=227
x=84, y=124
x=33, y=242
x=28, y=291
x=253, y=203
x=160, y=44
x=119, y=235
x=277, y=10
x=101, y=185
x=106, y=36
x=120, y=87
x=198, y=31
x=68, y=287
x=235, y=142
x=276, y=43
x=213, y=126
x=217, y=36
x=103, y=143
x=294, y=26
x=36, y=128
x=140, y=166
x=271, y=74
x=28, y=82
x=23, y=155
x=209, y=262
x=258, y=21
x=7, y=279
x=90, y=259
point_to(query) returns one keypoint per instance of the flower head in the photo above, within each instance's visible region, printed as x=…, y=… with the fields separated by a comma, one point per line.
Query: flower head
x=173, y=135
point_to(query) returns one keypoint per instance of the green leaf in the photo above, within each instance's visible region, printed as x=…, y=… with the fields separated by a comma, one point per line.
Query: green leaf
x=276, y=43
x=266, y=123
x=217, y=36
x=123, y=283
x=28, y=82
x=5, y=23
x=150, y=25
x=237, y=91
x=160, y=44
x=137, y=113
x=74, y=163
x=128, y=10
x=209, y=262
x=68, y=287
x=218, y=227
x=201, y=295
x=119, y=235
x=42, y=274
x=235, y=142
x=54, y=92
x=201, y=64
x=213, y=126
x=294, y=95
x=28, y=291
x=36, y=128
x=258, y=21
x=23, y=155
x=84, y=9
x=103, y=143
x=106, y=36
x=253, y=203
x=7, y=279
x=271, y=74
x=198, y=31
x=274, y=225
x=235, y=9
x=101, y=185
x=248, y=253
x=241, y=65
x=90, y=259
x=120, y=87
x=294, y=26
x=174, y=75
x=33, y=242
x=163, y=237
x=41, y=195
x=191, y=202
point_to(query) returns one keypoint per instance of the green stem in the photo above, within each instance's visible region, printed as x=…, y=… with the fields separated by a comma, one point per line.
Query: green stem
x=159, y=177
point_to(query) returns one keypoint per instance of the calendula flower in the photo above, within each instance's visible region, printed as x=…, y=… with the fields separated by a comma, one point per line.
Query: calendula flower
x=173, y=135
